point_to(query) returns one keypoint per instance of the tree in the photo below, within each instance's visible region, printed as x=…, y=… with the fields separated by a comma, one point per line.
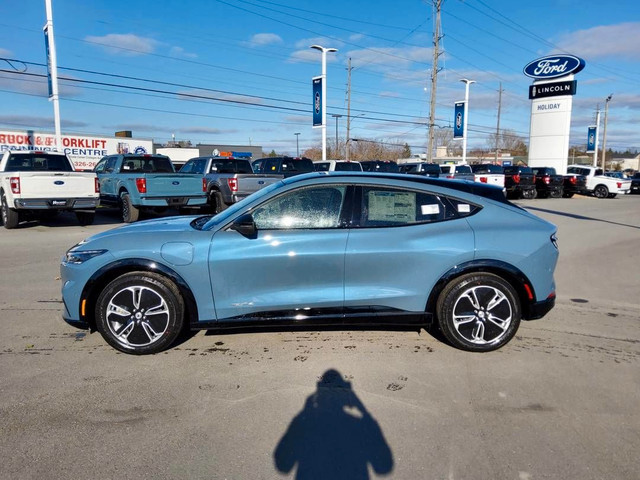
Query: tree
x=406, y=151
x=508, y=141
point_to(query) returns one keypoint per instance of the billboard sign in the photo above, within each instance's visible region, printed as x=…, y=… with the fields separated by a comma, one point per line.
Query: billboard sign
x=317, y=101
x=553, y=66
x=458, y=124
x=541, y=90
x=83, y=150
x=592, y=135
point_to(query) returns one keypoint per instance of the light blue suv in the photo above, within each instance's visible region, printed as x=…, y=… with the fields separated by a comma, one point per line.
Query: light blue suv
x=321, y=249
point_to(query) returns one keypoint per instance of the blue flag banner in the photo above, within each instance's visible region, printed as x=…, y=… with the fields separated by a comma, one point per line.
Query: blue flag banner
x=46, y=46
x=591, y=139
x=317, y=101
x=458, y=123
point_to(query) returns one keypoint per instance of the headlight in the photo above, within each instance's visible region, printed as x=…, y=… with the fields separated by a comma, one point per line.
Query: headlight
x=80, y=256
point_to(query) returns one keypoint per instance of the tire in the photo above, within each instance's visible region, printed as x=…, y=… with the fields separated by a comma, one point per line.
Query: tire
x=529, y=194
x=478, y=312
x=567, y=194
x=601, y=191
x=216, y=202
x=556, y=194
x=130, y=213
x=10, y=217
x=122, y=313
x=85, y=218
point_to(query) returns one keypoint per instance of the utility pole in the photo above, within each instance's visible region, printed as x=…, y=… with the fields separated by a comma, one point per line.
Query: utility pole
x=346, y=146
x=604, y=134
x=437, y=4
x=52, y=64
x=498, y=124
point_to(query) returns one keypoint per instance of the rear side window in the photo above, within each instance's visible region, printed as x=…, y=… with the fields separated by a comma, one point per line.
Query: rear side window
x=38, y=162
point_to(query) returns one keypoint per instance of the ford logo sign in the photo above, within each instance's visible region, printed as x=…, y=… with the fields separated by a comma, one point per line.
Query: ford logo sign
x=175, y=183
x=554, y=66
x=58, y=182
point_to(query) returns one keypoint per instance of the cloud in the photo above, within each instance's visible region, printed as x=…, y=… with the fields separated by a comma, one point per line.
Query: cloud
x=5, y=53
x=261, y=39
x=124, y=44
x=180, y=52
x=29, y=121
x=622, y=41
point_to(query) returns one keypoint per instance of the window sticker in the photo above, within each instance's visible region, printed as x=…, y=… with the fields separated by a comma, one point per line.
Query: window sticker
x=393, y=206
x=433, y=209
x=464, y=208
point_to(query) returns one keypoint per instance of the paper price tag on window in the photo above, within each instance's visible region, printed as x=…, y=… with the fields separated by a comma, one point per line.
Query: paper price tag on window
x=464, y=208
x=430, y=209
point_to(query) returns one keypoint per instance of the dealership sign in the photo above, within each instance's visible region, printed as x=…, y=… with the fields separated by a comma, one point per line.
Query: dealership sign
x=458, y=115
x=554, y=66
x=84, y=151
x=541, y=90
x=592, y=136
x=317, y=101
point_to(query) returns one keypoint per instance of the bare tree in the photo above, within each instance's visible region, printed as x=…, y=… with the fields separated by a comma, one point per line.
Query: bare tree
x=508, y=141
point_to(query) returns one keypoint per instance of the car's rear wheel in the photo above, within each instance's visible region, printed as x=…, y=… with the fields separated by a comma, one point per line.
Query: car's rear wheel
x=140, y=313
x=10, y=217
x=556, y=194
x=529, y=194
x=130, y=213
x=478, y=312
x=601, y=191
x=216, y=201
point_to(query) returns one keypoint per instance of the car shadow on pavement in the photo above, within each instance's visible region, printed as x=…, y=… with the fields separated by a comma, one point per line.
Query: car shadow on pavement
x=580, y=217
x=333, y=436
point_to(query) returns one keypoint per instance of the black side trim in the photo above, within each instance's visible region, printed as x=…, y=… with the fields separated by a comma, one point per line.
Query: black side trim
x=101, y=277
x=371, y=315
x=539, y=309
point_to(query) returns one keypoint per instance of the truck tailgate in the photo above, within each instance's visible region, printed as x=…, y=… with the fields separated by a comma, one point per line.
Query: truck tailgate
x=247, y=184
x=56, y=184
x=490, y=178
x=173, y=184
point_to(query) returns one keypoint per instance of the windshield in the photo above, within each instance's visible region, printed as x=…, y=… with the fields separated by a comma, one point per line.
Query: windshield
x=236, y=207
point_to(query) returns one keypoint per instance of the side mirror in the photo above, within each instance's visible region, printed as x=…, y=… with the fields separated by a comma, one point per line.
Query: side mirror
x=245, y=225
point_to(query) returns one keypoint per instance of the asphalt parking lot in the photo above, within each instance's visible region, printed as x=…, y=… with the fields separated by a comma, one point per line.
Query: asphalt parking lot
x=558, y=402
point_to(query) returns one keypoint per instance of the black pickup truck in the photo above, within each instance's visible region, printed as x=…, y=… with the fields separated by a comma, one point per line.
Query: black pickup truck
x=519, y=182
x=635, y=183
x=574, y=184
x=548, y=182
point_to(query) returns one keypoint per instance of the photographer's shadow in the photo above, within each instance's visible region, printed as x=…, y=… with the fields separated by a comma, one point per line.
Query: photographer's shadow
x=333, y=437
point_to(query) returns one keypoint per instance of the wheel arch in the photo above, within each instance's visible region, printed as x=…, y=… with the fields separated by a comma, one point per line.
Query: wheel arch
x=518, y=280
x=101, y=278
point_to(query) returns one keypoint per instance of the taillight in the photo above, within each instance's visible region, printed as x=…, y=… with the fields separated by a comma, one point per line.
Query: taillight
x=573, y=180
x=97, y=184
x=15, y=184
x=619, y=184
x=547, y=180
x=204, y=184
x=233, y=184
x=516, y=178
x=450, y=176
x=141, y=184
x=483, y=180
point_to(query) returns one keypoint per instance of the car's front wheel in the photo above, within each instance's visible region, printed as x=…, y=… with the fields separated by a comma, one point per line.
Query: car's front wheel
x=140, y=313
x=478, y=312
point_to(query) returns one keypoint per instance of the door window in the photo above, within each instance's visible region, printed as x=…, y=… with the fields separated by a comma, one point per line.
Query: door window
x=303, y=208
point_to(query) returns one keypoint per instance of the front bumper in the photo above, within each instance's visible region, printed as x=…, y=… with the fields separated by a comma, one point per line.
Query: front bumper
x=537, y=310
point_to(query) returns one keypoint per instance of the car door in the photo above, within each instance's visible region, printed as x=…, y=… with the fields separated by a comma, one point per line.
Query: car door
x=293, y=267
x=403, y=242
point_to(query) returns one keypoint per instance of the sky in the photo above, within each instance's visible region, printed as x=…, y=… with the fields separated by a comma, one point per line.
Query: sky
x=239, y=72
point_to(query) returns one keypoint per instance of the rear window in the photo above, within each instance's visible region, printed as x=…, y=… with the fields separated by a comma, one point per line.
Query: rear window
x=487, y=169
x=38, y=162
x=380, y=166
x=231, y=166
x=512, y=170
x=348, y=167
x=463, y=169
x=321, y=166
x=147, y=164
x=299, y=166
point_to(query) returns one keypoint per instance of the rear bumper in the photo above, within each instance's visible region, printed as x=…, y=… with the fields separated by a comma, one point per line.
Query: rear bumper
x=56, y=203
x=537, y=310
x=181, y=201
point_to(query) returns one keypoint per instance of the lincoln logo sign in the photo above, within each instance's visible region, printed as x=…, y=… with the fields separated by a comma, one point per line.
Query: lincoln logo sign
x=554, y=66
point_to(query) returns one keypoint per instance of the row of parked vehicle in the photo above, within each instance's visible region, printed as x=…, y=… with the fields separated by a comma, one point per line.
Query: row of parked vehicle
x=45, y=183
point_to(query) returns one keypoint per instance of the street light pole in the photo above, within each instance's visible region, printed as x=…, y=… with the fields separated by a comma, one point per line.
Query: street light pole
x=466, y=115
x=324, y=95
x=297, y=144
x=604, y=134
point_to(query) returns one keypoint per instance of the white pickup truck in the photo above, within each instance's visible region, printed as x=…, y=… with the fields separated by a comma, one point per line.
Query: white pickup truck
x=36, y=183
x=599, y=185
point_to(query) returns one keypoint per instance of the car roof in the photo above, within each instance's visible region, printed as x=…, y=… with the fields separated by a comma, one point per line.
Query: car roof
x=476, y=188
